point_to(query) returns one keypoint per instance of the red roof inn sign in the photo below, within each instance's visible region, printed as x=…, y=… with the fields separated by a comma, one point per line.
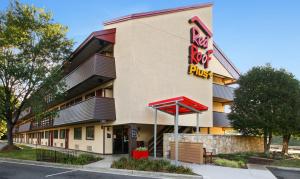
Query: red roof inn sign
x=198, y=50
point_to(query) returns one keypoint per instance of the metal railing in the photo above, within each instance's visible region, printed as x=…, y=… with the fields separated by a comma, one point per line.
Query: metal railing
x=56, y=156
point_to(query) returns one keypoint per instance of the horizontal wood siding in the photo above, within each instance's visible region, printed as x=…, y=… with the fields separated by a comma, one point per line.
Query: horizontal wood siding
x=97, y=65
x=24, y=127
x=93, y=109
x=188, y=152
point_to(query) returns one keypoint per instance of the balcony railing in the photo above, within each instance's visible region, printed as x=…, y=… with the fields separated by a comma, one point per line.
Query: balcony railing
x=220, y=119
x=24, y=127
x=94, y=71
x=223, y=93
x=95, y=109
x=42, y=124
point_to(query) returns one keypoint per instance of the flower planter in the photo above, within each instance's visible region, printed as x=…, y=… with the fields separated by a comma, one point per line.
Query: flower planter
x=136, y=154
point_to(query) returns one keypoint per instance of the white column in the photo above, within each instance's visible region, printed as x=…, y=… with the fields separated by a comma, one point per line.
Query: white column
x=197, y=126
x=176, y=134
x=155, y=131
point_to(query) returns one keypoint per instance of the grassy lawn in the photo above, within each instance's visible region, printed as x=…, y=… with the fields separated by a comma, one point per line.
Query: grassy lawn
x=26, y=153
x=150, y=165
x=240, y=160
x=29, y=153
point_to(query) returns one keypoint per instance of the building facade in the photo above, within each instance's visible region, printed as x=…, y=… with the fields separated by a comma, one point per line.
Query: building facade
x=137, y=59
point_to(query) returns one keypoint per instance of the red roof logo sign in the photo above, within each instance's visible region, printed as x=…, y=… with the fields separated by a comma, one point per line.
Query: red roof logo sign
x=199, y=53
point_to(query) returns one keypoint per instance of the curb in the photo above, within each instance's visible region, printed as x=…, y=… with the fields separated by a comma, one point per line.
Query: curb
x=104, y=170
x=40, y=163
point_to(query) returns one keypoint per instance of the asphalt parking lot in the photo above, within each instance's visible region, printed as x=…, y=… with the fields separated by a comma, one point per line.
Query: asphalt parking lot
x=25, y=171
x=285, y=174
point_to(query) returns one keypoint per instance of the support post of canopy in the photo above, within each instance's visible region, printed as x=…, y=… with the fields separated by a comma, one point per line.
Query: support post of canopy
x=176, y=134
x=155, y=131
x=197, y=126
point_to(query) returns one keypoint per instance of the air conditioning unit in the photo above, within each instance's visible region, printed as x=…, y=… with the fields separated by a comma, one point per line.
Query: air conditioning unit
x=76, y=146
x=89, y=148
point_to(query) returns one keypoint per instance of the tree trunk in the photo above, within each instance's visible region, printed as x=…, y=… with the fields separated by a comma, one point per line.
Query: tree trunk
x=269, y=141
x=266, y=150
x=285, y=143
x=9, y=134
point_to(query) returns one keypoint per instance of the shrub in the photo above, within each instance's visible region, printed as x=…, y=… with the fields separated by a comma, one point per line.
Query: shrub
x=141, y=149
x=229, y=163
x=150, y=165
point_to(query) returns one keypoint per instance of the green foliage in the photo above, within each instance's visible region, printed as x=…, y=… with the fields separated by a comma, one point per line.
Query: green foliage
x=141, y=149
x=2, y=128
x=26, y=153
x=243, y=156
x=150, y=165
x=29, y=153
x=229, y=163
x=32, y=50
x=295, y=162
x=266, y=102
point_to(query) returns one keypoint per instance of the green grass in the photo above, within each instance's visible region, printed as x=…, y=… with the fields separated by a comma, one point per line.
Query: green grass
x=229, y=163
x=150, y=165
x=236, y=159
x=294, y=162
x=243, y=157
x=28, y=153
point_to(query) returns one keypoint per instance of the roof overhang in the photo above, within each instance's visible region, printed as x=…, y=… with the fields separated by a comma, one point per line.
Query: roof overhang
x=186, y=106
x=156, y=13
x=226, y=62
x=95, y=42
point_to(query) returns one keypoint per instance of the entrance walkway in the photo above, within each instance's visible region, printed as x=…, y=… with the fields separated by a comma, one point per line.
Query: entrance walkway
x=105, y=162
x=2, y=144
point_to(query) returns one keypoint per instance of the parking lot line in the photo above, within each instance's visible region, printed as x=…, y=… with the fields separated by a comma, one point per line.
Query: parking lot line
x=60, y=173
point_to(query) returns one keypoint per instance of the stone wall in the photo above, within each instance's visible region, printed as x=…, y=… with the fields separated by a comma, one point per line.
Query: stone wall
x=218, y=143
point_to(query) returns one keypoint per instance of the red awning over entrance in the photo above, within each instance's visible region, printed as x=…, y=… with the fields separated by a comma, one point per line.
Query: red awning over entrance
x=186, y=106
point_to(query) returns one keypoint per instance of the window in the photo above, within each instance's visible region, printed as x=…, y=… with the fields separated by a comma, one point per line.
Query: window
x=78, y=100
x=99, y=93
x=90, y=133
x=62, y=133
x=42, y=135
x=55, y=134
x=92, y=94
x=47, y=134
x=77, y=133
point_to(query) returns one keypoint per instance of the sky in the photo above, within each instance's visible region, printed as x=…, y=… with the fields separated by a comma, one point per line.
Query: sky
x=250, y=32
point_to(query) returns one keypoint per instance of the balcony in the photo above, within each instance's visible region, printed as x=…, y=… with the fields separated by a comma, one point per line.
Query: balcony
x=95, y=109
x=223, y=93
x=24, y=127
x=220, y=119
x=96, y=70
x=42, y=124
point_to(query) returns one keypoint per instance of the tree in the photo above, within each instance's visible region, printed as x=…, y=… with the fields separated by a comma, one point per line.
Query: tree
x=2, y=122
x=2, y=128
x=32, y=50
x=266, y=101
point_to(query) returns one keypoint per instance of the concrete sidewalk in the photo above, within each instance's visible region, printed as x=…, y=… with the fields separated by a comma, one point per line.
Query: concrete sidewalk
x=105, y=162
x=217, y=172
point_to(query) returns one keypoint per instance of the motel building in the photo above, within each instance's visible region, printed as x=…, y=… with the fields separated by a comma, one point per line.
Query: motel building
x=117, y=75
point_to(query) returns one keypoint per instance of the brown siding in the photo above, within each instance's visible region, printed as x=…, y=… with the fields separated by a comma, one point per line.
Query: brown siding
x=24, y=127
x=97, y=65
x=93, y=109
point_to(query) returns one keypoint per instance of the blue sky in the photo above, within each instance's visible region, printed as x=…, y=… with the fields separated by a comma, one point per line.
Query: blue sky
x=250, y=32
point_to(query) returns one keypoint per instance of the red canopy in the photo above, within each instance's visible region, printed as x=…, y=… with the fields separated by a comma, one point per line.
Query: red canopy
x=169, y=105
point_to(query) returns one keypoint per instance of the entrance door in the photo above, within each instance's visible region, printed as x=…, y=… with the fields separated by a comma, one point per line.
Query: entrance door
x=39, y=135
x=67, y=138
x=120, y=140
x=50, y=138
